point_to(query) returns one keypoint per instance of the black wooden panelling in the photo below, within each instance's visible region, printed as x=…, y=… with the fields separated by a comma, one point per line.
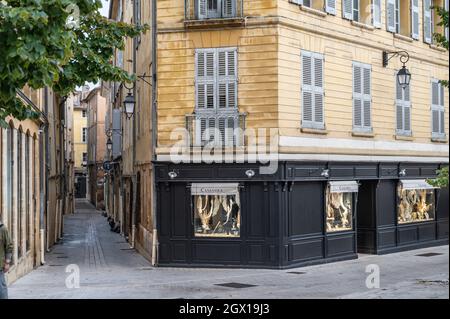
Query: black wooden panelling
x=164, y=253
x=427, y=231
x=386, y=203
x=256, y=254
x=164, y=212
x=387, y=237
x=428, y=170
x=181, y=211
x=366, y=239
x=442, y=204
x=407, y=234
x=255, y=213
x=342, y=171
x=305, y=171
x=388, y=171
x=306, y=250
x=215, y=252
x=340, y=245
x=366, y=171
x=412, y=170
x=442, y=229
x=179, y=252
x=306, y=208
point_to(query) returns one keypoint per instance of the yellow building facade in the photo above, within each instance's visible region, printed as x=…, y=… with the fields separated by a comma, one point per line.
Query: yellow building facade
x=351, y=148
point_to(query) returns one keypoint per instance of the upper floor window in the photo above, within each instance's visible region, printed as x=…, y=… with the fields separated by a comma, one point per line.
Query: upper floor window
x=431, y=19
x=84, y=135
x=84, y=113
x=437, y=110
x=328, y=6
x=402, y=17
x=363, y=11
x=210, y=9
x=312, y=90
x=216, y=115
x=362, y=97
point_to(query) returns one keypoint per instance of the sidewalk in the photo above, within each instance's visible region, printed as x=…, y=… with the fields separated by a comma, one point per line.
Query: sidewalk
x=110, y=269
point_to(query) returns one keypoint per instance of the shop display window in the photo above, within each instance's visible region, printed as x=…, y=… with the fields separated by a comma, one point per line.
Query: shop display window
x=339, y=206
x=217, y=210
x=415, y=204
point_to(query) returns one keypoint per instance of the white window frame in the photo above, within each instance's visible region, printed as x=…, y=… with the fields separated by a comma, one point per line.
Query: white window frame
x=363, y=97
x=315, y=90
x=439, y=107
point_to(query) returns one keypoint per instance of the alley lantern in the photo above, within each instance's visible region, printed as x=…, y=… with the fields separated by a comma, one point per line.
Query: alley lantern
x=109, y=144
x=129, y=104
x=403, y=76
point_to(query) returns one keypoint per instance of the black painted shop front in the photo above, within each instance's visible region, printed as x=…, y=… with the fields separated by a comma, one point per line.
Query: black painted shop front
x=283, y=220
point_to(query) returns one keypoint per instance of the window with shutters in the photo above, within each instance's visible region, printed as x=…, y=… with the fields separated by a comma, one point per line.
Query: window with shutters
x=312, y=90
x=437, y=110
x=402, y=17
x=363, y=11
x=216, y=112
x=328, y=6
x=362, y=97
x=436, y=27
x=403, y=109
x=213, y=9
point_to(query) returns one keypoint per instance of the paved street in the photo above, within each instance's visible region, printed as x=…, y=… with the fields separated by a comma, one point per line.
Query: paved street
x=110, y=269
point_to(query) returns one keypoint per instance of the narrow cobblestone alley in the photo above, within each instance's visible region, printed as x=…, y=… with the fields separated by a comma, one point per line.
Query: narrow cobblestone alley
x=110, y=269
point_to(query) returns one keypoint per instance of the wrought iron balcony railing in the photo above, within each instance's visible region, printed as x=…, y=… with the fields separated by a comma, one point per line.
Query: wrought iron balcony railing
x=219, y=130
x=213, y=9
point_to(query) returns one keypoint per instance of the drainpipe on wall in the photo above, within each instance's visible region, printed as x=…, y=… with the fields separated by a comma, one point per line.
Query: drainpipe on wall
x=154, y=130
x=133, y=179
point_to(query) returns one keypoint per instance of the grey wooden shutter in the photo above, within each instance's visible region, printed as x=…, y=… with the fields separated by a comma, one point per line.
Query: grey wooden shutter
x=390, y=15
x=330, y=6
x=415, y=19
x=403, y=106
x=427, y=27
x=376, y=13
x=446, y=7
x=307, y=87
x=318, y=91
x=116, y=136
x=367, y=97
x=228, y=8
x=357, y=96
x=347, y=9
x=362, y=97
x=202, y=9
x=437, y=109
x=227, y=78
x=205, y=79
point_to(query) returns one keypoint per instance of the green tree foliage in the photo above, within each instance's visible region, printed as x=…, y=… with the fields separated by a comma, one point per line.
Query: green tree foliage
x=440, y=38
x=39, y=48
x=442, y=180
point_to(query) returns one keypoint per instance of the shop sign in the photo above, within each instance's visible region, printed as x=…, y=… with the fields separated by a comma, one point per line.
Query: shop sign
x=215, y=188
x=344, y=187
x=415, y=184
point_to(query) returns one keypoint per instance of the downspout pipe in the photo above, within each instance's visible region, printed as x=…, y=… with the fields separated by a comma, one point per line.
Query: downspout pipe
x=154, y=102
x=133, y=179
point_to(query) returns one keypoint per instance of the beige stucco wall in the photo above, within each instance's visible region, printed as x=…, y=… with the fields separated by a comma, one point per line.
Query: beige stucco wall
x=269, y=48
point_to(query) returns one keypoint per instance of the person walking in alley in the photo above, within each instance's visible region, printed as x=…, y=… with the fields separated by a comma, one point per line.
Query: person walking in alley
x=6, y=248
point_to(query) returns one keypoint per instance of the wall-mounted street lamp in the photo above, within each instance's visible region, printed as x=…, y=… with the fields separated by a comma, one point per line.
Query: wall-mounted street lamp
x=403, y=76
x=109, y=144
x=129, y=103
